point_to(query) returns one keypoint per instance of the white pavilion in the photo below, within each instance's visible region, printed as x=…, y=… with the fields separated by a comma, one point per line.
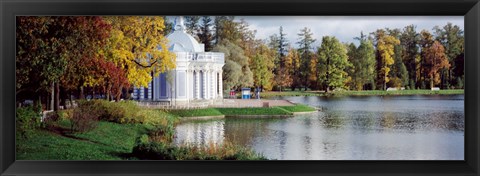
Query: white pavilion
x=197, y=76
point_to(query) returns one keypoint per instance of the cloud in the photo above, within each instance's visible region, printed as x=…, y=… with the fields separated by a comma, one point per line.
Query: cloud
x=345, y=28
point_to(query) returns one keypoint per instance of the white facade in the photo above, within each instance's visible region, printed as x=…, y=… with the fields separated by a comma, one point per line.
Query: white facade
x=197, y=76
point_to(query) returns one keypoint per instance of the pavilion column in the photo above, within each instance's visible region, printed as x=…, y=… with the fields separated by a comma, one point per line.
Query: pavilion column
x=187, y=84
x=211, y=83
x=204, y=87
x=220, y=84
x=215, y=83
x=197, y=84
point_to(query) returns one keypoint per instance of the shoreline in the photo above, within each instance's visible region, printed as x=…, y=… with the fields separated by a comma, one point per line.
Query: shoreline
x=243, y=112
x=272, y=94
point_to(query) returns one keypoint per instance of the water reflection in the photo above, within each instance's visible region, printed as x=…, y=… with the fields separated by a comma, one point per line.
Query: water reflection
x=350, y=128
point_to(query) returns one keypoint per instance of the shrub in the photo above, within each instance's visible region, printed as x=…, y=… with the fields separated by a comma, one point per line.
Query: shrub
x=162, y=151
x=28, y=119
x=50, y=119
x=395, y=82
x=65, y=114
x=162, y=134
x=120, y=112
x=85, y=116
x=153, y=117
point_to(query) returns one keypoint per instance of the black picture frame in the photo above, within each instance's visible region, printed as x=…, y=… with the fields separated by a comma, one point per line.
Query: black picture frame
x=470, y=9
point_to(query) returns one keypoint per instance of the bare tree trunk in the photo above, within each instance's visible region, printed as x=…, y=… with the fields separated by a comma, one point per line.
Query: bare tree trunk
x=119, y=93
x=431, y=82
x=63, y=97
x=57, y=97
x=107, y=91
x=52, y=96
x=82, y=94
x=70, y=98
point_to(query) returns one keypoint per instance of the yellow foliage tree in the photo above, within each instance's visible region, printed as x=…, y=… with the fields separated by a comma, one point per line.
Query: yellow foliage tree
x=385, y=46
x=137, y=44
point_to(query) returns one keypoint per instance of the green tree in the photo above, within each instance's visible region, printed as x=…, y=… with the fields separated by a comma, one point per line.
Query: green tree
x=305, y=49
x=262, y=64
x=192, y=23
x=409, y=40
x=205, y=34
x=225, y=29
x=333, y=61
x=365, y=64
x=356, y=65
x=236, y=63
x=451, y=37
x=282, y=47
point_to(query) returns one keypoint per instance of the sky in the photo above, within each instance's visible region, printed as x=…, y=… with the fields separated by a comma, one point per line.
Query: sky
x=345, y=28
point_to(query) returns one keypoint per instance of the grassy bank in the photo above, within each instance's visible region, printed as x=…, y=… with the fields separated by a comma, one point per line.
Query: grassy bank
x=195, y=112
x=109, y=141
x=280, y=110
x=400, y=92
x=254, y=111
x=298, y=108
x=271, y=94
x=102, y=130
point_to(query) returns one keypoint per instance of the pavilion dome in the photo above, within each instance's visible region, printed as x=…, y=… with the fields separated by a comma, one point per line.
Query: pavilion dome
x=181, y=41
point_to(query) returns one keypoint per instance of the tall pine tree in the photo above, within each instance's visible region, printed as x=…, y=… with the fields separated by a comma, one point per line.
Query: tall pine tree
x=305, y=50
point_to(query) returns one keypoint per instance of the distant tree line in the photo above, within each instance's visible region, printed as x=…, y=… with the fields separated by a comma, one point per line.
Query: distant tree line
x=383, y=58
x=67, y=57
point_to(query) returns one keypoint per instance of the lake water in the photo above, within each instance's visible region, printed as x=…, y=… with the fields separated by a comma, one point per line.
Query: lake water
x=348, y=128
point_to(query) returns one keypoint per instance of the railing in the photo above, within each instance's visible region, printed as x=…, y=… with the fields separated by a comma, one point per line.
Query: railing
x=201, y=57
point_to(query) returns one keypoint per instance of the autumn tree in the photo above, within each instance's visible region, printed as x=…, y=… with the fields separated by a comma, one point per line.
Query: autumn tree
x=55, y=51
x=333, y=61
x=385, y=51
x=451, y=37
x=305, y=49
x=426, y=41
x=113, y=79
x=435, y=59
x=398, y=73
x=292, y=69
x=137, y=44
x=41, y=54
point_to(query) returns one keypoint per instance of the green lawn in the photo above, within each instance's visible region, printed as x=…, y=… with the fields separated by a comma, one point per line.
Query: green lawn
x=195, y=112
x=298, y=108
x=280, y=110
x=254, y=111
x=109, y=141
